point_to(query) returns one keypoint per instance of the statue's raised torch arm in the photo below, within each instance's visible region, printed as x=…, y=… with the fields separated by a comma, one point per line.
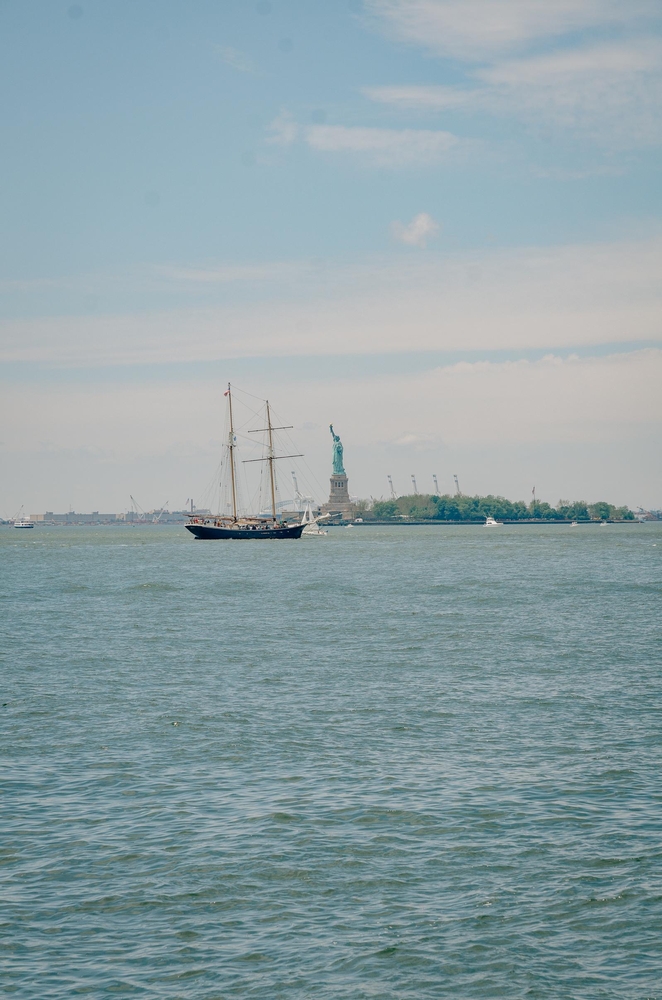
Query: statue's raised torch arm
x=338, y=467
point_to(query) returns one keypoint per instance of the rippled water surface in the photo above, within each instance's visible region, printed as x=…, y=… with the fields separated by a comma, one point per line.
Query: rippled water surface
x=401, y=762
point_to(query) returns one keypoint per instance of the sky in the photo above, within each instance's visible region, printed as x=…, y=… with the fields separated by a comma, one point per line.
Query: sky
x=436, y=224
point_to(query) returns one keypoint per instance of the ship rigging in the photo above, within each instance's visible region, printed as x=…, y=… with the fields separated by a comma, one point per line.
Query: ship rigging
x=271, y=525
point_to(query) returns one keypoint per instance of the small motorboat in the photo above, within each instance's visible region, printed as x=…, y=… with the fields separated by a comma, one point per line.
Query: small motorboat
x=491, y=523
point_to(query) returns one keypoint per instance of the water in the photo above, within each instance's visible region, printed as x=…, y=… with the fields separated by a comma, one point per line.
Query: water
x=400, y=762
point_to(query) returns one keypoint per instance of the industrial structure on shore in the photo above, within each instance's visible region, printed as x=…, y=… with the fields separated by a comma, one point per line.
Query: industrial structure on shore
x=159, y=516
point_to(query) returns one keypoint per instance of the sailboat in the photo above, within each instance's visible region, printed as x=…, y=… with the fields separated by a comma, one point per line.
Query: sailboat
x=311, y=523
x=217, y=526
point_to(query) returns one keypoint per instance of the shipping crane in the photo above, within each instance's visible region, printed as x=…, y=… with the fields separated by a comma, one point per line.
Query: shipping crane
x=436, y=485
x=300, y=500
x=390, y=483
x=137, y=510
x=413, y=481
x=162, y=511
x=458, y=491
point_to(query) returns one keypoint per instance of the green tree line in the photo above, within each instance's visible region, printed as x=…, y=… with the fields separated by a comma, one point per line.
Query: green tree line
x=429, y=507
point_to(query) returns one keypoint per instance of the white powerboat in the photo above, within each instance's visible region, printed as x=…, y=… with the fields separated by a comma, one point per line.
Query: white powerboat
x=21, y=521
x=491, y=523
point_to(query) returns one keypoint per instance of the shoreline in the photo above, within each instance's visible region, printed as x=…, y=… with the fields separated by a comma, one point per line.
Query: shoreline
x=480, y=524
x=403, y=523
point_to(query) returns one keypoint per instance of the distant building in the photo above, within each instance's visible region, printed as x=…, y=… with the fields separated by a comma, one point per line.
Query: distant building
x=159, y=516
x=73, y=518
x=649, y=515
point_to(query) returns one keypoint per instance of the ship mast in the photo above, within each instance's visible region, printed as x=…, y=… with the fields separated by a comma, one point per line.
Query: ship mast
x=233, y=473
x=270, y=459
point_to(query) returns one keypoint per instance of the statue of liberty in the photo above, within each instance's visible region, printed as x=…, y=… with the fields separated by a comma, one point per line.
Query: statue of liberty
x=338, y=467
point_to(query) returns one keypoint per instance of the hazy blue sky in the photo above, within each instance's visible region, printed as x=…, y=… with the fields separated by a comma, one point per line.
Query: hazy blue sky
x=435, y=223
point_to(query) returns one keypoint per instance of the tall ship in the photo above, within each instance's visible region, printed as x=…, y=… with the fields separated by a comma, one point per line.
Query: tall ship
x=233, y=525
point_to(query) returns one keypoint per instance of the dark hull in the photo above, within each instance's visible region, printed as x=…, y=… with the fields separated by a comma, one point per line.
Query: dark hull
x=210, y=531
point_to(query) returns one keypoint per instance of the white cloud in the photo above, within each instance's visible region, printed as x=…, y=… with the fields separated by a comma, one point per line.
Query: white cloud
x=574, y=398
x=226, y=274
x=236, y=59
x=410, y=96
x=478, y=29
x=421, y=229
x=531, y=413
x=611, y=92
x=585, y=397
x=381, y=147
x=283, y=130
x=387, y=147
x=494, y=299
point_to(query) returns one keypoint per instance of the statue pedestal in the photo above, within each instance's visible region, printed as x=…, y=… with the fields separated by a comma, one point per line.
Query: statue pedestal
x=339, y=502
